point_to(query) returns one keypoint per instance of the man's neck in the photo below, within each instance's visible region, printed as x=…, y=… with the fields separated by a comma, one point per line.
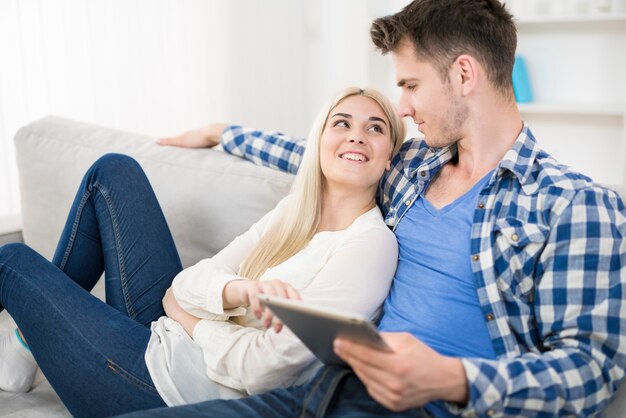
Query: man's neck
x=490, y=134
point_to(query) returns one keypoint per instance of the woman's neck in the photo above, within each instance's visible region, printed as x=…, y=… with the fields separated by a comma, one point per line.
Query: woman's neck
x=341, y=207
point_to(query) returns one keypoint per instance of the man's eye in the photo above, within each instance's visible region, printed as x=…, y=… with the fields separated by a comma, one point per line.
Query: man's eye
x=411, y=87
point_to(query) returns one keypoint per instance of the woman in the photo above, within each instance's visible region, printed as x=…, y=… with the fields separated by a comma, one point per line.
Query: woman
x=164, y=336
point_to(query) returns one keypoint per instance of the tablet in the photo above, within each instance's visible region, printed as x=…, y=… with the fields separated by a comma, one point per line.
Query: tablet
x=318, y=326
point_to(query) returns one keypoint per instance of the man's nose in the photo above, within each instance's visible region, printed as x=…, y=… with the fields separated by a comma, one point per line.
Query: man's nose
x=404, y=107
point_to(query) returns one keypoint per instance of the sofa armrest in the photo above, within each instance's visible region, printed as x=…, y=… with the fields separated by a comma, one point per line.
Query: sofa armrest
x=208, y=197
x=10, y=229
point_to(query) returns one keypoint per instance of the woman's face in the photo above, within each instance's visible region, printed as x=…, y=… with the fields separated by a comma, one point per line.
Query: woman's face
x=355, y=146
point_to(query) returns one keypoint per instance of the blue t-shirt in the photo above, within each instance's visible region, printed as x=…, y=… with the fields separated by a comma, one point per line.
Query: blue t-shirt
x=433, y=295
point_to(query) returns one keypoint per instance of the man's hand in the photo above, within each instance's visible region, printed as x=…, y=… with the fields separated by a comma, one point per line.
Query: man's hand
x=174, y=311
x=246, y=292
x=410, y=376
x=205, y=137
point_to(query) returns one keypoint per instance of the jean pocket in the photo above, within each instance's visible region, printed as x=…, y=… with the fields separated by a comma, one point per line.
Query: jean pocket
x=131, y=378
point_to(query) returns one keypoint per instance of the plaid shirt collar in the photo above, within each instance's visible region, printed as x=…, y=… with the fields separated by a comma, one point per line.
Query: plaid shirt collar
x=518, y=160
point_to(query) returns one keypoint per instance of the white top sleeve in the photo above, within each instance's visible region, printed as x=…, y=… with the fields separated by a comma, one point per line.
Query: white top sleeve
x=350, y=269
x=198, y=289
x=356, y=277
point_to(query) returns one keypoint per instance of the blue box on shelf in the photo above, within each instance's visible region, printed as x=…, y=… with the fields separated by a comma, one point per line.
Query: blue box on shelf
x=521, y=82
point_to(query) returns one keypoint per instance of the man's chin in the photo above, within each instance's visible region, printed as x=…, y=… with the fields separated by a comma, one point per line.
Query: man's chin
x=432, y=142
x=438, y=142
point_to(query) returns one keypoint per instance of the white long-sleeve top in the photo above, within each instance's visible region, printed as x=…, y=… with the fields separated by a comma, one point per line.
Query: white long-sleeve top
x=349, y=269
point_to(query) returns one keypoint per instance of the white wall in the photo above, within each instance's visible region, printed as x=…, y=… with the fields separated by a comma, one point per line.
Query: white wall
x=162, y=66
x=159, y=67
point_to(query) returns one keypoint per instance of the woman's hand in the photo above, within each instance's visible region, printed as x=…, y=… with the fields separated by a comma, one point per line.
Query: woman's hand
x=246, y=293
x=205, y=137
x=174, y=311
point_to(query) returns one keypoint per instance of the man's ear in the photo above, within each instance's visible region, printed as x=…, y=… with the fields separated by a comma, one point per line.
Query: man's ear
x=466, y=71
x=388, y=165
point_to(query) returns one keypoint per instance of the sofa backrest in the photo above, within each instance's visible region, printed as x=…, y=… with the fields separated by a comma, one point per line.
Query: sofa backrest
x=208, y=197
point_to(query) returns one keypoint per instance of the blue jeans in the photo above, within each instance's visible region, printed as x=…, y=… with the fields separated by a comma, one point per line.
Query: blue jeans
x=92, y=352
x=333, y=392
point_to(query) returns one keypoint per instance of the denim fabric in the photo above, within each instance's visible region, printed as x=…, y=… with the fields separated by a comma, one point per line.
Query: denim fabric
x=93, y=352
x=334, y=392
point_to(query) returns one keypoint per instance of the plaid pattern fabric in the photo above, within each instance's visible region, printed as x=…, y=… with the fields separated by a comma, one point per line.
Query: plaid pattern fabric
x=549, y=261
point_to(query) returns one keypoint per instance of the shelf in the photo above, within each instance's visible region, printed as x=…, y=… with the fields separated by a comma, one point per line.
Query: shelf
x=587, y=18
x=611, y=110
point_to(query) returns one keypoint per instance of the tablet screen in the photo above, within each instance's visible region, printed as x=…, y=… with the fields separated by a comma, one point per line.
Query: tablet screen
x=317, y=327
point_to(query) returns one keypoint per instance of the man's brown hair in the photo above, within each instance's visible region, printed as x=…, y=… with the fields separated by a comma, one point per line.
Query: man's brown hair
x=442, y=30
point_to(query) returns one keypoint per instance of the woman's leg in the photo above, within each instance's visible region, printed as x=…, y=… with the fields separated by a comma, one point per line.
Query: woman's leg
x=116, y=225
x=91, y=352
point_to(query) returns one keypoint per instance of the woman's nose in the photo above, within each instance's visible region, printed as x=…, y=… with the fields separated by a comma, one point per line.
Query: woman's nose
x=356, y=139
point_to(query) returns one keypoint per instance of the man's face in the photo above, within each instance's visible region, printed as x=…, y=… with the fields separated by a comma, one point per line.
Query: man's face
x=434, y=104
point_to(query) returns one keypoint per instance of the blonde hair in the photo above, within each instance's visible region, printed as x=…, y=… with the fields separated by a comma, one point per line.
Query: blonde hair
x=294, y=231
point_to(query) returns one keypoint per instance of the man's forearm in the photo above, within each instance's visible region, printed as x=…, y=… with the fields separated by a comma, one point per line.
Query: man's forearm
x=270, y=149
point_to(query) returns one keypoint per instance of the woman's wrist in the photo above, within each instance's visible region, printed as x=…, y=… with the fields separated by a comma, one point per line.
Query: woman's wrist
x=188, y=323
x=232, y=294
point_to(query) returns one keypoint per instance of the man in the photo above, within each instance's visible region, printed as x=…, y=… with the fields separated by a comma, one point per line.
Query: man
x=508, y=297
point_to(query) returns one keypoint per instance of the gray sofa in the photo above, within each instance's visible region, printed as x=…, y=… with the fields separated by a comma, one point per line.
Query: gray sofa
x=208, y=198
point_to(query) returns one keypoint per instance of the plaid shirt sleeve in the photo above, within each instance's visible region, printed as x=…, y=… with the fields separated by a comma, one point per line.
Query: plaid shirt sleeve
x=581, y=319
x=270, y=149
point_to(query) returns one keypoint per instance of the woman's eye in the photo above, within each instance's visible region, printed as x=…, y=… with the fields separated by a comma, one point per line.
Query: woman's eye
x=376, y=128
x=411, y=87
x=342, y=124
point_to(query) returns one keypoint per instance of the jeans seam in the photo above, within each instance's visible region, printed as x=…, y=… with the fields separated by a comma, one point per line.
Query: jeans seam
x=70, y=244
x=118, y=246
x=129, y=377
x=110, y=363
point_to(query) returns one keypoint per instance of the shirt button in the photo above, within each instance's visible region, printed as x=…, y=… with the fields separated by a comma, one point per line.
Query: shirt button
x=392, y=221
x=475, y=257
x=423, y=173
x=489, y=317
x=515, y=237
x=408, y=202
x=490, y=413
x=481, y=205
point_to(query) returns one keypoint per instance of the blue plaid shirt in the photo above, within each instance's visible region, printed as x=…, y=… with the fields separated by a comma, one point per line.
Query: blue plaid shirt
x=549, y=262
